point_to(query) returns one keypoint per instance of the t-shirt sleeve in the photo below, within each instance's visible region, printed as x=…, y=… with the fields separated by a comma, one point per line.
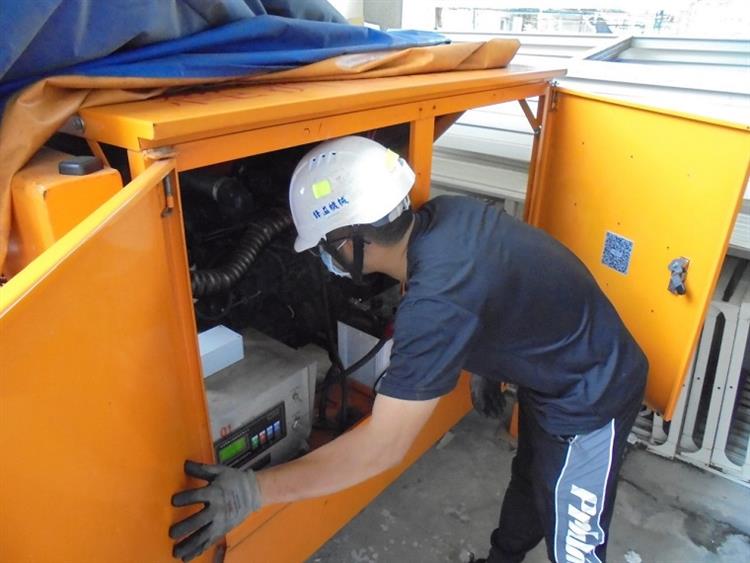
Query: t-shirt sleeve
x=430, y=343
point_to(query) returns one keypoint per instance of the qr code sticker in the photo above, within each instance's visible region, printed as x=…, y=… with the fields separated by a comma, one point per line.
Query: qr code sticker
x=617, y=252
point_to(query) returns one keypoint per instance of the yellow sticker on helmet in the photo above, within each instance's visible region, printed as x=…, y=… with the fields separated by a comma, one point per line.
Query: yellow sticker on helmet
x=321, y=188
x=391, y=158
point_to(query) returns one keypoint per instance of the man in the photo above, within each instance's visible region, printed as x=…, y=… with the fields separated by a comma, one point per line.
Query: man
x=484, y=292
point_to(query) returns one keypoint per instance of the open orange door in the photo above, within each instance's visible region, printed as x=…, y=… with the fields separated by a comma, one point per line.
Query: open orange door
x=635, y=191
x=101, y=395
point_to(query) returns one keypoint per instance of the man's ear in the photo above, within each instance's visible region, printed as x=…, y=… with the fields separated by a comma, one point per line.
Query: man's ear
x=349, y=244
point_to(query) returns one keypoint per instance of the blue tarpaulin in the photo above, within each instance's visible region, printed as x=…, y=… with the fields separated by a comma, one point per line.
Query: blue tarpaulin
x=240, y=48
x=43, y=35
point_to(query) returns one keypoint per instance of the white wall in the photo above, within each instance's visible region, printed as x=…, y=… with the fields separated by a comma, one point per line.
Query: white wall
x=416, y=12
x=353, y=10
x=385, y=13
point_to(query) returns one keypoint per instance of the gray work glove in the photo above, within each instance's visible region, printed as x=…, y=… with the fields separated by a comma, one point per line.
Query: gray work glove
x=230, y=496
x=487, y=397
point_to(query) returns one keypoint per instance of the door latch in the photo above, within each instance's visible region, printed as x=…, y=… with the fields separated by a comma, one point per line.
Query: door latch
x=678, y=276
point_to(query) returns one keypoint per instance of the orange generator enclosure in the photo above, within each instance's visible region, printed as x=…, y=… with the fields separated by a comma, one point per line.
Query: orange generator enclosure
x=100, y=380
x=47, y=204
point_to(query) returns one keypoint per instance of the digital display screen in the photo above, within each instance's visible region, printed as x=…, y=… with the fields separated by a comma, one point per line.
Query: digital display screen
x=233, y=448
x=250, y=440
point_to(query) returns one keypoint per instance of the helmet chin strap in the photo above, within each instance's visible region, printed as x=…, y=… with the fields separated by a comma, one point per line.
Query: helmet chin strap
x=356, y=265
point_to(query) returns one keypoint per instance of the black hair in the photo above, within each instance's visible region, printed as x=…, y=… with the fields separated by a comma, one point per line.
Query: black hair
x=385, y=235
x=391, y=233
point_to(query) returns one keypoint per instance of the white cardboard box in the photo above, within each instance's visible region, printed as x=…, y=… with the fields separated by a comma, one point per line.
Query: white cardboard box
x=219, y=347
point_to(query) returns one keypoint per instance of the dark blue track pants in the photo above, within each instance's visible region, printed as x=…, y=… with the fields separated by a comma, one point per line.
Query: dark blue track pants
x=562, y=489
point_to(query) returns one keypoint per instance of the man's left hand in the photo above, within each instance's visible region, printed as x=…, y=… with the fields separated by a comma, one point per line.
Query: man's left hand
x=487, y=397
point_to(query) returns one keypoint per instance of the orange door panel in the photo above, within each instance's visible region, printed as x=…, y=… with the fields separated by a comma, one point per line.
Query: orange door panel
x=102, y=397
x=630, y=189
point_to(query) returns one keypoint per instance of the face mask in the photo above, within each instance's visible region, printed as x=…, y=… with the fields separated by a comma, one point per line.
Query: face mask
x=331, y=265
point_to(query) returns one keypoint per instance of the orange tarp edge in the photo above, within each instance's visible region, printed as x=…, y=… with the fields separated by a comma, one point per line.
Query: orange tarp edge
x=39, y=110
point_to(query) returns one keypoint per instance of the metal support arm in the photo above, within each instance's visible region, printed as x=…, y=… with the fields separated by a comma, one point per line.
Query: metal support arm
x=536, y=125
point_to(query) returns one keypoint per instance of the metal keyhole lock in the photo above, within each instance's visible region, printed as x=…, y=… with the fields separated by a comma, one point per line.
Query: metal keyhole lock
x=678, y=276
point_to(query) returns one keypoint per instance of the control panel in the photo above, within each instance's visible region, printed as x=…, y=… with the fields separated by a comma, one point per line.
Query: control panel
x=249, y=441
x=261, y=407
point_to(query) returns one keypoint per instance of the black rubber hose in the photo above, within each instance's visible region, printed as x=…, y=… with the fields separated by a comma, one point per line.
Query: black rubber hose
x=258, y=235
x=228, y=192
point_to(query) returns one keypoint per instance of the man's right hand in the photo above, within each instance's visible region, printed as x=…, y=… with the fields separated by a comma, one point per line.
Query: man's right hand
x=230, y=496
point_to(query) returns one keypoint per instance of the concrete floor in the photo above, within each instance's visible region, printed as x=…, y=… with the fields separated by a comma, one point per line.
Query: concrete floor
x=446, y=505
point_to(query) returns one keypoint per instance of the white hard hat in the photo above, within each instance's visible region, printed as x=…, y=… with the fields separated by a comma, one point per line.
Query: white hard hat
x=344, y=182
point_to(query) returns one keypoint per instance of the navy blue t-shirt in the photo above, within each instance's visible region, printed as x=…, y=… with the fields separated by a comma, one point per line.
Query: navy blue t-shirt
x=504, y=300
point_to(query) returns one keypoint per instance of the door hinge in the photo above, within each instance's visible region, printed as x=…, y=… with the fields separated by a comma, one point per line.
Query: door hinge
x=168, y=196
x=159, y=153
x=163, y=153
x=554, y=93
